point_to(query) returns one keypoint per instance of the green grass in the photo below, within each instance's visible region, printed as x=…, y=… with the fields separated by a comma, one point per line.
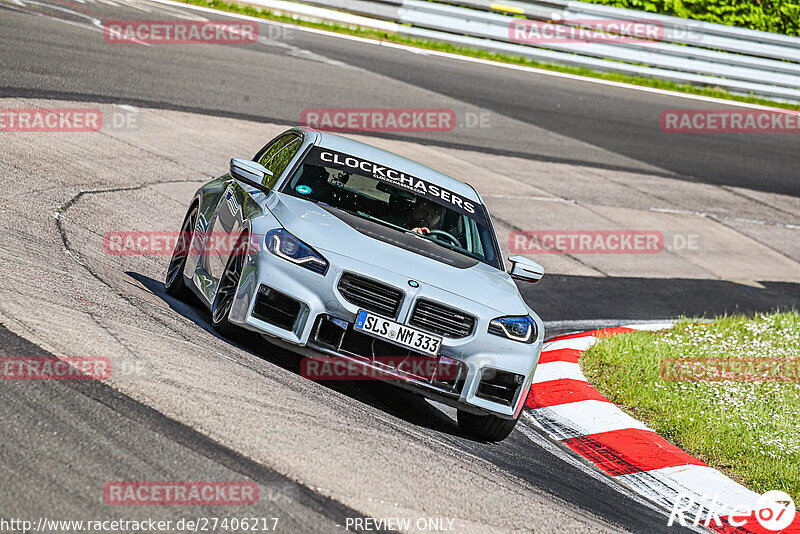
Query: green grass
x=748, y=429
x=715, y=92
x=777, y=16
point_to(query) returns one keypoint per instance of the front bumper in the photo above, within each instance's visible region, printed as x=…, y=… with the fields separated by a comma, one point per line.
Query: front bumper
x=485, y=358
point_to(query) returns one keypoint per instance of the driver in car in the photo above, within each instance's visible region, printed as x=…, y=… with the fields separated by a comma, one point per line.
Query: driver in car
x=425, y=214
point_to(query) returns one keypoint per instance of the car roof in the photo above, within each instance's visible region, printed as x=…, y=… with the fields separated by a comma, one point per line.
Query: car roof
x=390, y=159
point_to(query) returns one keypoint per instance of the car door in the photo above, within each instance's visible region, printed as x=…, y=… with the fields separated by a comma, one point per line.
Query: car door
x=229, y=218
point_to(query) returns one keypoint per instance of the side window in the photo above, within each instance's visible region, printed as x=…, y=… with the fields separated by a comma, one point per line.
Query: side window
x=281, y=159
x=278, y=155
x=273, y=147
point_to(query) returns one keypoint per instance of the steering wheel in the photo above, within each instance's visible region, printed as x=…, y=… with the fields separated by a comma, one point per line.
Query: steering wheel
x=448, y=236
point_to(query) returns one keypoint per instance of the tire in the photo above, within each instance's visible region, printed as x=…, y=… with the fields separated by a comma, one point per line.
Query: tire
x=227, y=288
x=174, y=282
x=485, y=427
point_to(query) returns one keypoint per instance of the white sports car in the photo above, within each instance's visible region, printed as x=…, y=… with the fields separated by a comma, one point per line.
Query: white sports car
x=348, y=252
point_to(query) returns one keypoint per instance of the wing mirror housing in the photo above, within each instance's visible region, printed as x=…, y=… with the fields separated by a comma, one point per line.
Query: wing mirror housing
x=525, y=269
x=250, y=172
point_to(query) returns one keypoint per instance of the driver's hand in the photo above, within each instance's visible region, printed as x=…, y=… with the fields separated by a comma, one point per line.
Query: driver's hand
x=421, y=231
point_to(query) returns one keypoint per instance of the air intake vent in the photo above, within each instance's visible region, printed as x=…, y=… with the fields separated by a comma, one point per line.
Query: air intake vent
x=276, y=308
x=499, y=386
x=370, y=295
x=442, y=320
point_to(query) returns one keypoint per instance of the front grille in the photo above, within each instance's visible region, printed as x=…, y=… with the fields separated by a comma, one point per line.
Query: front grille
x=370, y=295
x=441, y=319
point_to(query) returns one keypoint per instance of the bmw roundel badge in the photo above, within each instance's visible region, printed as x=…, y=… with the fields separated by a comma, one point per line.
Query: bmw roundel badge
x=413, y=283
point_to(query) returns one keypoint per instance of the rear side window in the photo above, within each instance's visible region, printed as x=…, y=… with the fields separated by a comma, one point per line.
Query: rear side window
x=277, y=156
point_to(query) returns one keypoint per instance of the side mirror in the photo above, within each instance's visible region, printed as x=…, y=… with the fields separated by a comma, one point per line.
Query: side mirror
x=250, y=172
x=526, y=270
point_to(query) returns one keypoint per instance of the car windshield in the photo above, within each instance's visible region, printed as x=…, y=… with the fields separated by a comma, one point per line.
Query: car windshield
x=388, y=197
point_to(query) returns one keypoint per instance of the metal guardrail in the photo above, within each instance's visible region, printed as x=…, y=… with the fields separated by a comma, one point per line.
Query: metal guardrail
x=677, y=30
x=739, y=60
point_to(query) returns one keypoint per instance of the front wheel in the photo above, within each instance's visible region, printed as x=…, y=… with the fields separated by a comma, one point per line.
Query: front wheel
x=226, y=291
x=485, y=427
x=174, y=282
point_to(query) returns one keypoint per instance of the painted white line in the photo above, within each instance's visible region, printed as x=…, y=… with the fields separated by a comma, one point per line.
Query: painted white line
x=545, y=372
x=587, y=417
x=131, y=3
x=651, y=326
x=658, y=489
x=579, y=324
x=703, y=481
x=96, y=24
x=664, y=491
x=457, y=57
x=722, y=218
x=575, y=343
x=539, y=199
x=322, y=13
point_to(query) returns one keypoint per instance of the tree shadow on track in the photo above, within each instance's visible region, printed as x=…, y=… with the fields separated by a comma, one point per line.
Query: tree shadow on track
x=393, y=400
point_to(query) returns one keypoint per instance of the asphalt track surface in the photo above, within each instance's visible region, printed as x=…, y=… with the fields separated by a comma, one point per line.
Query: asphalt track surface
x=103, y=433
x=45, y=58
x=267, y=83
x=538, y=118
x=375, y=449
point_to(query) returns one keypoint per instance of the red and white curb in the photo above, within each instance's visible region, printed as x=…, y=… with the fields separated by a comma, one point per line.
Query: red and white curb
x=563, y=404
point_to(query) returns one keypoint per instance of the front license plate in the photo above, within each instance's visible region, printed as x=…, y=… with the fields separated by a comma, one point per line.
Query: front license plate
x=397, y=333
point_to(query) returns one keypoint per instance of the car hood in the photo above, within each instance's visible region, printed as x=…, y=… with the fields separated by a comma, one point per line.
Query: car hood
x=328, y=229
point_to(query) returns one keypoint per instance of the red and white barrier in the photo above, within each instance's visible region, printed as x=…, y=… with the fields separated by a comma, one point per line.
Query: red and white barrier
x=572, y=411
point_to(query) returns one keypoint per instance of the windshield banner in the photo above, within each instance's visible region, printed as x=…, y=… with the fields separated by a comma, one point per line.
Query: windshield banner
x=344, y=162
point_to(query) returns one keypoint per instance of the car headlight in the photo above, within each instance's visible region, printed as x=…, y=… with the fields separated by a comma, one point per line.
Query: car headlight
x=286, y=246
x=520, y=328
